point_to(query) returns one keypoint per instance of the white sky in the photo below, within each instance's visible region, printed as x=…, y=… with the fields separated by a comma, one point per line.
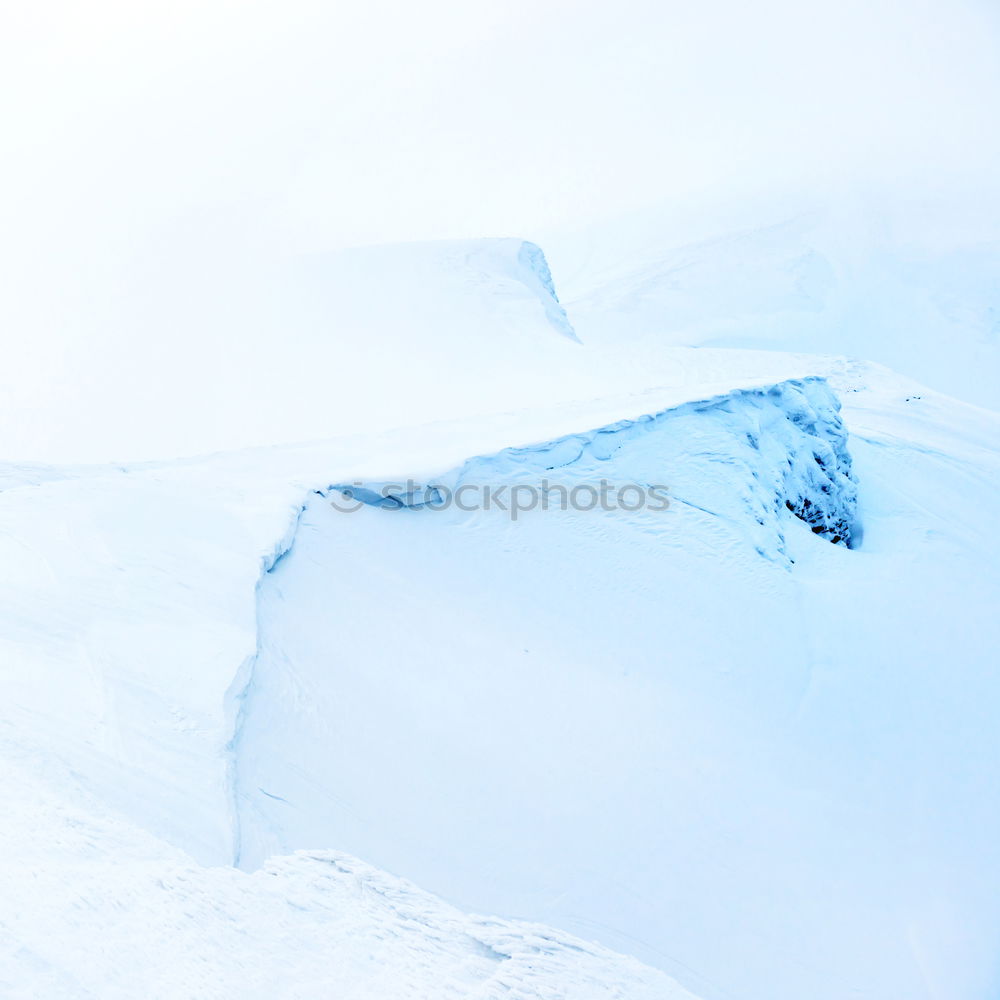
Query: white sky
x=334, y=123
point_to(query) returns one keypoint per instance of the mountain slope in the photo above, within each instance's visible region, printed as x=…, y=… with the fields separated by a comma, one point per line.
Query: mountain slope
x=707, y=737
x=905, y=283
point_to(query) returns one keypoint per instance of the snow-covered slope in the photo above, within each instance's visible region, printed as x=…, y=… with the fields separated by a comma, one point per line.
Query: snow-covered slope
x=907, y=283
x=95, y=907
x=444, y=694
x=706, y=736
x=129, y=628
x=128, y=616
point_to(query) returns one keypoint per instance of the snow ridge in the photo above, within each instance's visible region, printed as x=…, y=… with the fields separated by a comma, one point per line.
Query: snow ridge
x=788, y=438
x=536, y=275
x=241, y=687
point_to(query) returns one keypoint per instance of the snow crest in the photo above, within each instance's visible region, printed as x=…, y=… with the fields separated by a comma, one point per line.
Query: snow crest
x=536, y=274
x=787, y=440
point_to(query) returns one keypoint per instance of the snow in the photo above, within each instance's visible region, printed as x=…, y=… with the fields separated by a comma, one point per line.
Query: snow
x=906, y=283
x=724, y=746
x=142, y=579
x=96, y=907
x=758, y=762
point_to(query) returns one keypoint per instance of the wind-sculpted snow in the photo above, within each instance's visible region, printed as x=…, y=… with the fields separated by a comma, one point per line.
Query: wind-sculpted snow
x=781, y=448
x=431, y=684
x=787, y=441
